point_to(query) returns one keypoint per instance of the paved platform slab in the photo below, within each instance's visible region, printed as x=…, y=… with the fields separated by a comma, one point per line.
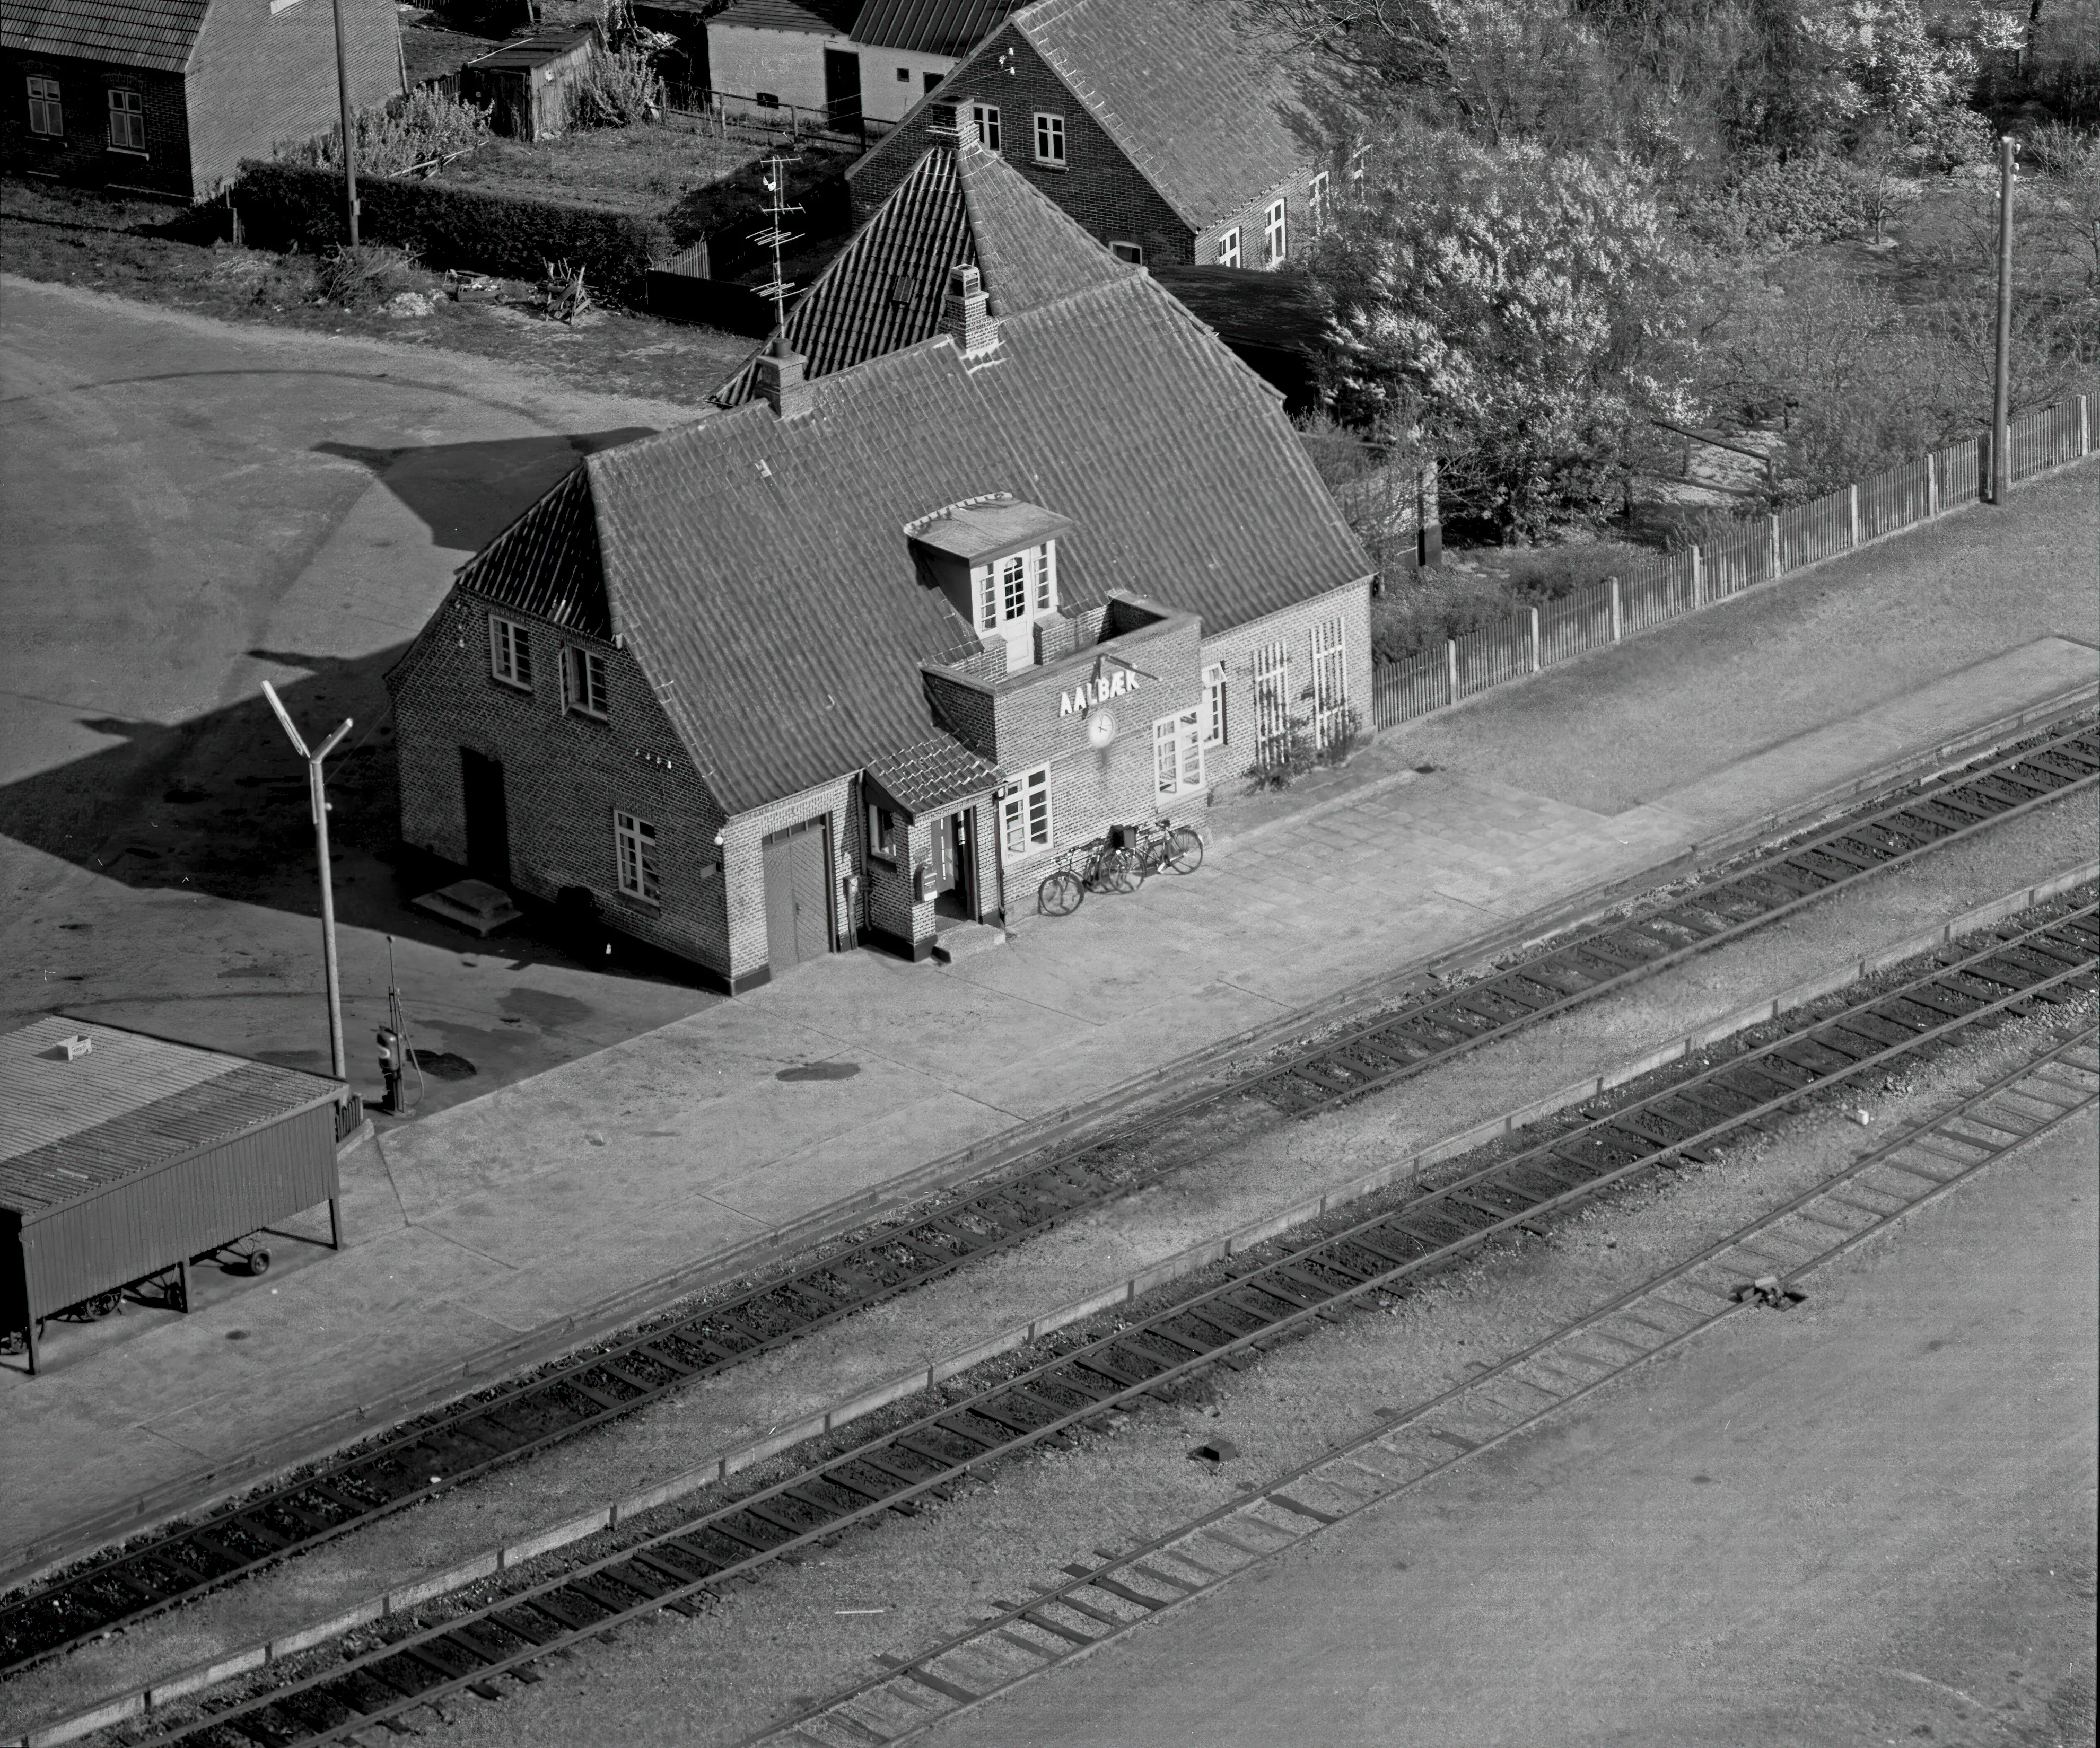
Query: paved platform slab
x=520, y=1212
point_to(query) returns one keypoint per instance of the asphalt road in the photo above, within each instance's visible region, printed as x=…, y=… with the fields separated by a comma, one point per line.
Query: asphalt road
x=1872, y=1521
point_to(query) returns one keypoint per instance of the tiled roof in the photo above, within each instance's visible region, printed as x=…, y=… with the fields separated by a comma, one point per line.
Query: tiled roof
x=71, y=1128
x=928, y=27
x=546, y=563
x=960, y=205
x=158, y=34
x=932, y=774
x=1248, y=306
x=822, y=18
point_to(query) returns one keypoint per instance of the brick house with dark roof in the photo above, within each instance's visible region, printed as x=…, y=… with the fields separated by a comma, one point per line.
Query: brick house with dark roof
x=1159, y=125
x=168, y=96
x=1018, y=551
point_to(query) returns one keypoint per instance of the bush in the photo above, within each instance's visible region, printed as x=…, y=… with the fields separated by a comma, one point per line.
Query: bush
x=1282, y=761
x=620, y=89
x=1420, y=612
x=1780, y=206
x=285, y=206
x=429, y=128
x=365, y=277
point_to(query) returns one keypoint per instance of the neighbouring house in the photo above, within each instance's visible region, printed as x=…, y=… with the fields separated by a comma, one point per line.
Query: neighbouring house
x=529, y=86
x=1168, y=134
x=860, y=64
x=991, y=547
x=168, y=96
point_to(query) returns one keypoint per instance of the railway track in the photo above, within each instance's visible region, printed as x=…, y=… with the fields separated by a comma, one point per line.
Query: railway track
x=507, y=1626
x=475, y=1435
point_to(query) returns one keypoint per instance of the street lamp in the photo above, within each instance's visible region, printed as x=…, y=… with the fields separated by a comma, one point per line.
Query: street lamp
x=2001, y=409
x=317, y=794
x=349, y=164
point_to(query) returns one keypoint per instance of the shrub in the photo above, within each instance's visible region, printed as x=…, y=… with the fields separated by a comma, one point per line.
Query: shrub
x=426, y=130
x=1418, y=613
x=1780, y=206
x=1343, y=737
x=620, y=88
x=1282, y=761
x=364, y=277
x=284, y=205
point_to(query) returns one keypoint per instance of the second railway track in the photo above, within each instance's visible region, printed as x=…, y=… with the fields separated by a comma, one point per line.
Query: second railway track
x=617, y=1377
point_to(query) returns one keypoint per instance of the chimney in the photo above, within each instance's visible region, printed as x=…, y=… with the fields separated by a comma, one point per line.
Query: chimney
x=780, y=381
x=966, y=316
x=943, y=119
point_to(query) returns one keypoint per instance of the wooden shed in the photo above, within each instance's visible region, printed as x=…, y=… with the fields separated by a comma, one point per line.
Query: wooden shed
x=530, y=82
x=124, y=1155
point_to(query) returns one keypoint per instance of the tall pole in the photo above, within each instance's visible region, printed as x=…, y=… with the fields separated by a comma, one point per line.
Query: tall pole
x=2001, y=404
x=348, y=151
x=317, y=797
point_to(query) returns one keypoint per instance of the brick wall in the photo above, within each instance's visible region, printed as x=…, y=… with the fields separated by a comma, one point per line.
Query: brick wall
x=563, y=776
x=1099, y=187
x=1234, y=650
x=743, y=853
x=1252, y=223
x=83, y=154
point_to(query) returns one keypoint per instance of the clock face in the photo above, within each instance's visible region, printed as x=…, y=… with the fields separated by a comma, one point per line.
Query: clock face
x=1101, y=729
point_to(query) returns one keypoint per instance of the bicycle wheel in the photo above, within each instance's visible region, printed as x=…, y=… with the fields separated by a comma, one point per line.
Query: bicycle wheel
x=1060, y=893
x=1122, y=872
x=1184, y=854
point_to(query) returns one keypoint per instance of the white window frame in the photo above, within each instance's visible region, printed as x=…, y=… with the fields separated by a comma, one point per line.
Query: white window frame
x=46, y=106
x=510, y=652
x=1043, y=580
x=1049, y=139
x=634, y=848
x=1177, y=754
x=127, y=119
x=1229, y=249
x=583, y=683
x=1214, y=705
x=875, y=815
x=1027, y=822
x=998, y=584
x=1330, y=678
x=986, y=117
x=1132, y=253
x=1271, y=697
x=1275, y=233
x=1317, y=193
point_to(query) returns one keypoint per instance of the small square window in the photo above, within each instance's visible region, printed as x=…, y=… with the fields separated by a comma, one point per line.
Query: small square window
x=127, y=119
x=46, y=115
x=986, y=117
x=881, y=834
x=1050, y=140
x=510, y=653
x=583, y=682
x=903, y=75
x=1228, y=247
x=635, y=842
x=1131, y=253
x=933, y=82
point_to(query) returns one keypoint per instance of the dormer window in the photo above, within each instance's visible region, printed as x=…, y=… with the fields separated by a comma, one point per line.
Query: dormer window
x=995, y=559
x=1019, y=586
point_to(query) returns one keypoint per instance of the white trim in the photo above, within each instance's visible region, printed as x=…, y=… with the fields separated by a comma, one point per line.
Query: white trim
x=1027, y=817
x=503, y=652
x=634, y=849
x=1275, y=233
x=1177, y=754
x=583, y=685
x=1050, y=134
x=1229, y=249
x=1215, y=727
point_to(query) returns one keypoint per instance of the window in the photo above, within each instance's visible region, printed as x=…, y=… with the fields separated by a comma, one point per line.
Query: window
x=986, y=117
x=1177, y=753
x=1228, y=247
x=1025, y=815
x=1273, y=239
x=583, y=681
x=1046, y=577
x=1316, y=202
x=1272, y=698
x=881, y=833
x=1013, y=586
x=1129, y=252
x=1006, y=587
x=933, y=82
x=635, y=840
x=46, y=116
x=903, y=75
x=510, y=653
x=1214, y=704
x=1331, y=682
x=127, y=121
x=1050, y=139
x=766, y=100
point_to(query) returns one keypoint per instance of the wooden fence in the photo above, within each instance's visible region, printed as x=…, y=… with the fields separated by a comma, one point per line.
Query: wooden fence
x=1760, y=549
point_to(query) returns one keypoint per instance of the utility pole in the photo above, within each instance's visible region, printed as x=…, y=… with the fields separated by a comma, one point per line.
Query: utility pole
x=349, y=180
x=317, y=794
x=2001, y=403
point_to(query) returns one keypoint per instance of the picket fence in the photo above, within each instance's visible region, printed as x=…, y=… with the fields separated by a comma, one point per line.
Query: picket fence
x=1762, y=547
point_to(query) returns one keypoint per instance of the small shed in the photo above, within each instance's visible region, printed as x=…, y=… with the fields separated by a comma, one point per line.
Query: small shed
x=530, y=82
x=123, y=1155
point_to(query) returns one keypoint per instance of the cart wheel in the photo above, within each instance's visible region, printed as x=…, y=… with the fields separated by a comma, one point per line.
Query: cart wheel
x=258, y=1262
x=102, y=1303
x=1185, y=853
x=1060, y=894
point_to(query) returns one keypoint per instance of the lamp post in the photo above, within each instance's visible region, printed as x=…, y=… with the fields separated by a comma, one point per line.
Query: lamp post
x=317, y=794
x=349, y=175
x=2001, y=400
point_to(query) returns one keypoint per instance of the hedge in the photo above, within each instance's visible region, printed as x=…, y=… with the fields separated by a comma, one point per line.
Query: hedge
x=282, y=205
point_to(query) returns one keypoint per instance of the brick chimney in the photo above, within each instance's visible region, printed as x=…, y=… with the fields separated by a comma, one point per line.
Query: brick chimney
x=966, y=316
x=780, y=381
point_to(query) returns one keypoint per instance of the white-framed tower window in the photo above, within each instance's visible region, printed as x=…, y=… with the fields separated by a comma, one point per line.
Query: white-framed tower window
x=1024, y=813
x=1274, y=242
x=1049, y=139
x=1330, y=681
x=1214, y=704
x=1177, y=753
x=1021, y=585
x=46, y=114
x=583, y=682
x=510, y=653
x=986, y=117
x=634, y=840
x=1229, y=249
x=127, y=119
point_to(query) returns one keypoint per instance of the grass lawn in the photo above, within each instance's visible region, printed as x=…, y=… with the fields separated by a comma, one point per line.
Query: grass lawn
x=630, y=170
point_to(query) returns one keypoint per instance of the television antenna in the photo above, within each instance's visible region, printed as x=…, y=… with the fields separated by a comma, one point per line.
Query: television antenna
x=774, y=237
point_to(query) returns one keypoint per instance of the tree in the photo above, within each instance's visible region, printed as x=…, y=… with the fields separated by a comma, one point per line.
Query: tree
x=1527, y=307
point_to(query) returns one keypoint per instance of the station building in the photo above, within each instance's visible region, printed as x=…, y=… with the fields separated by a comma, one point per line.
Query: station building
x=991, y=547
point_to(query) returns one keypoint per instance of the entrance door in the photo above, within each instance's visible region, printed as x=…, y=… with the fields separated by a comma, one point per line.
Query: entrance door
x=487, y=818
x=951, y=866
x=842, y=90
x=798, y=894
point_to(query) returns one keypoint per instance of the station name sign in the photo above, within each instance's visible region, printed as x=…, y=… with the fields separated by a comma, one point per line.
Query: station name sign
x=1098, y=690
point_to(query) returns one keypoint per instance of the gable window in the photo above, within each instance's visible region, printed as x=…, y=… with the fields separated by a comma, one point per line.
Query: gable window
x=1017, y=587
x=583, y=681
x=1273, y=242
x=635, y=842
x=45, y=116
x=934, y=81
x=1132, y=253
x=510, y=653
x=903, y=75
x=1214, y=704
x=1177, y=753
x=986, y=117
x=1228, y=247
x=1025, y=815
x=881, y=834
x=1050, y=139
x=127, y=121
x=1316, y=202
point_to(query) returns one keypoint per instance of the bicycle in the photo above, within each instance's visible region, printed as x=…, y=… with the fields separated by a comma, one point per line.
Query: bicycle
x=1179, y=848
x=1102, y=866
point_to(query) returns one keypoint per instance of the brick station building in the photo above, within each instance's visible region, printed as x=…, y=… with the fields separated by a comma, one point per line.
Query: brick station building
x=991, y=547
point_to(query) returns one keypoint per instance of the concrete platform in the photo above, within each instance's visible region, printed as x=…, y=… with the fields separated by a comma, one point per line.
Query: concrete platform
x=504, y=1228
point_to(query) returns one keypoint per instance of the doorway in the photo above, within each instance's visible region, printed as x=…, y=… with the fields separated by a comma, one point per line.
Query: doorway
x=798, y=894
x=488, y=818
x=842, y=90
x=951, y=868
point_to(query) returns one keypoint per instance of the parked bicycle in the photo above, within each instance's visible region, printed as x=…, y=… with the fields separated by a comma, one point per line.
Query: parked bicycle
x=1119, y=862
x=1177, y=849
